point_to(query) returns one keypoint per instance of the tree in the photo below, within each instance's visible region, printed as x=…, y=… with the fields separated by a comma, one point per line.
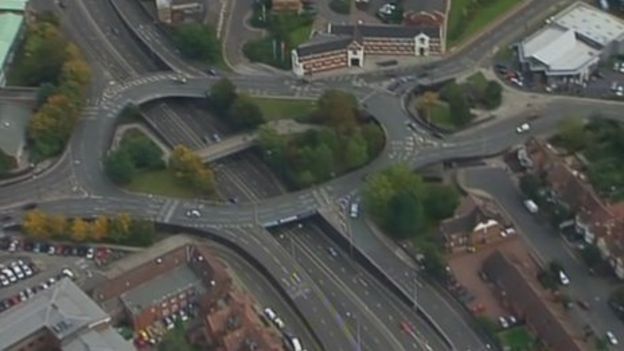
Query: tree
x=405, y=216
x=79, y=230
x=223, y=94
x=530, y=185
x=57, y=225
x=458, y=103
x=142, y=233
x=100, y=228
x=36, y=224
x=493, y=95
x=355, y=153
x=144, y=152
x=45, y=91
x=245, y=113
x=44, y=54
x=441, y=201
x=119, y=167
x=572, y=134
x=119, y=228
x=188, y=167
x=427, y=102
x=375, y=139
x=197, y=42
x=338, y=109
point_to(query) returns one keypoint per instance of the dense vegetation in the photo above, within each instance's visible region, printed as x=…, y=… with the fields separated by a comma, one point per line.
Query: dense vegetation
x=344, y=141
x=406, y=207
x=601, y=142
x=285, y=32
x=121, y=229
x=475, y=92
x=47, y=59
x=136, y=152
x=237, y=110
x=197, y=42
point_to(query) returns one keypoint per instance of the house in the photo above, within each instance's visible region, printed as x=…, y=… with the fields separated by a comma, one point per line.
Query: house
x=179, y=11
x=286, y=6
x=515, y=285
x=474, y=224
x=63, y=318
x=347, y=45
x=599, y=222
x=572, y=44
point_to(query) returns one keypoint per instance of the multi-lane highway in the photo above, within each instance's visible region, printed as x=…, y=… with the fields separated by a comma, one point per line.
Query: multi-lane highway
x=76, y=185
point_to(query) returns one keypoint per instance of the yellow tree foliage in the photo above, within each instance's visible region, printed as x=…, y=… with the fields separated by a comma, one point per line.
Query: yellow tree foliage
x=124, y=221
x=57, y=225
x=36, y=224
x=79, y=230
x=428, y=101
x=188, y=167
x=100, y=228
x=77, y=71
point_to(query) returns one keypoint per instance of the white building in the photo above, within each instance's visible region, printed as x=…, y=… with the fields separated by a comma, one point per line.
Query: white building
x=572, y=44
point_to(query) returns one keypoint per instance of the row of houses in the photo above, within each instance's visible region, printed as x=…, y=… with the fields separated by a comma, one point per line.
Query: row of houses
x=600, y=222
x=344, y=46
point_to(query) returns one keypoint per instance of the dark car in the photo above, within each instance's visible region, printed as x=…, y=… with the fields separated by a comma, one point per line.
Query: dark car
x=30, y=206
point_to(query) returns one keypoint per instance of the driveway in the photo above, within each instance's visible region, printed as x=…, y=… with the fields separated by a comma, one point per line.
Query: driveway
x=549, y=246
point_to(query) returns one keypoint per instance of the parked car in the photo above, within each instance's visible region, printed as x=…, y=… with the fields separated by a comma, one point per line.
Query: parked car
x=563, y=278
x=503, y=322
x=523, y=128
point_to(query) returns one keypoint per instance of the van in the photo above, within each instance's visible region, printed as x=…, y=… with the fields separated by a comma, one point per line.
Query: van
x=354, y=211
x=531, y=206
x=296, y=344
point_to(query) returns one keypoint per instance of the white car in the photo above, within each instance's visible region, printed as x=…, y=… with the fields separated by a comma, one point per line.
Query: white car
x=90, y=253
x=68, y=273
x=269, y=313
x=619, y=91
x=354, y=211
x=612, y=339
x=9, y=274
x=193, y=213
x=18, y=271
x=4, y=281
x=279, y=323
x=503, y=322
x=523, y=128
x=563, y=278
x=183, y=316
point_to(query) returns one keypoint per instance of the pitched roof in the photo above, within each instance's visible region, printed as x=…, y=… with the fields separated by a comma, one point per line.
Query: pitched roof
x=385, y=31
x=324, y=43
x=526, y=298
x=65, y=311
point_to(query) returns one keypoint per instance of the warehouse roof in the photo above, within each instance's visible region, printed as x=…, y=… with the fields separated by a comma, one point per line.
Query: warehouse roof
x=10, y=24
x=559, y=49
x=13, y=5
x=67, y=313
x=591, y=23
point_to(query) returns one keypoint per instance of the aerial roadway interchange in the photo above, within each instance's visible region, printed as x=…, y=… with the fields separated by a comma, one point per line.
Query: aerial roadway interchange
x=336, y=294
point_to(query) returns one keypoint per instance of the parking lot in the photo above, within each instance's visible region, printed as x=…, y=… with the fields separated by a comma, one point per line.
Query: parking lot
x=48, y=262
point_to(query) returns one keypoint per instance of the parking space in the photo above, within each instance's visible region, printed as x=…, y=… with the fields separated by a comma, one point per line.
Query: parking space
x=31, y=266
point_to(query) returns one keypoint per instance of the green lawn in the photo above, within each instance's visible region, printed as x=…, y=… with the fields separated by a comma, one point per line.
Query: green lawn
x=160, y=182
x=300, y=35
x=441, y=116
x=517, y=339
x=461, y=27
x=284, y=108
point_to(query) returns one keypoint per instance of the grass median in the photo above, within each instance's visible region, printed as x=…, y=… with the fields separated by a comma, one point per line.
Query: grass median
x=273, y=108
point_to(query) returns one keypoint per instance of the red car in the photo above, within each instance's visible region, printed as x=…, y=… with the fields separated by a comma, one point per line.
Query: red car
x=407, y=327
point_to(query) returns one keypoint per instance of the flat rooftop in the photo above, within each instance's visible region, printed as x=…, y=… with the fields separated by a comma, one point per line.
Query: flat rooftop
x=592, y=23
x=13, y=5
x=559, y=49
x=10, y=24
x=167, y=284
x=67, y=313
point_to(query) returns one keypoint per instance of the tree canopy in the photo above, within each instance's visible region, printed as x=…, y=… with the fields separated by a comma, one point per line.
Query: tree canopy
x=135, y=152
x=197, y=42
x=404, y=205
x=188, y=167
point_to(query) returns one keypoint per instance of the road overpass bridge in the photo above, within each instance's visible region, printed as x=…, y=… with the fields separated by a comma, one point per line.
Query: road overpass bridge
x=243, y=141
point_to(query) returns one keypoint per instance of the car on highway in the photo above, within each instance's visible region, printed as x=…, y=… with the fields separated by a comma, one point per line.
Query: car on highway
x=531, y=206
x=180, y=80
x=295, y=343
x=193, y=213
x=332, y=251
x=354, y=210
x=523, y=128
x=611, y=338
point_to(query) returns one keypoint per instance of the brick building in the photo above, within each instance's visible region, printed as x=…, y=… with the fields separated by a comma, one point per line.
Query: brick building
x=233, y=324
x=516, y=286
x=601, y=223
x=147, y=287
x=475, y=223
x=346, y=45
x=286, y=6
x=179, y=11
